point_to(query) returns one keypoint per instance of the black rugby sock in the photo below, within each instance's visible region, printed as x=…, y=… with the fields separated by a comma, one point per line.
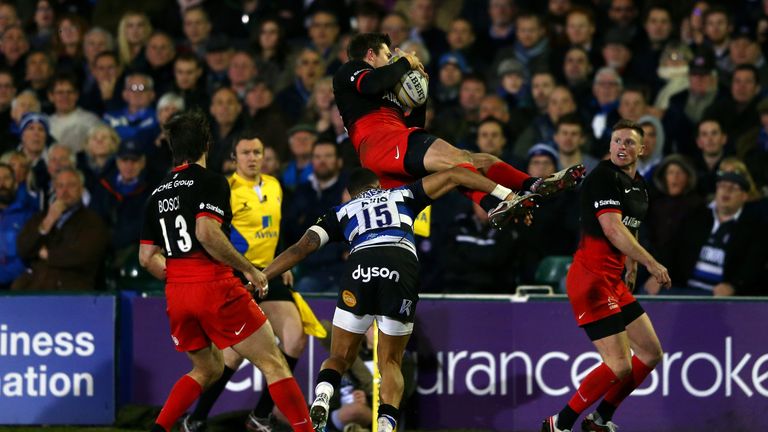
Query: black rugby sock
x=209, y=397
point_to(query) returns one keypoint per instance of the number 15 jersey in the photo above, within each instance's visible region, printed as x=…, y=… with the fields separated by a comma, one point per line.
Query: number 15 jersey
x=375, y=218
x=187, y=193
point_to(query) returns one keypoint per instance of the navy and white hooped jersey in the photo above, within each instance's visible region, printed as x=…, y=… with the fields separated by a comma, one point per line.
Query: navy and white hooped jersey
x=375, y=218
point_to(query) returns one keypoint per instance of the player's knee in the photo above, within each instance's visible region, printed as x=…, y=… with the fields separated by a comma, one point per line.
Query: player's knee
x=620, y=367
x=652, y=358
x=483, y=161
x=207, y=376
x=294, y=344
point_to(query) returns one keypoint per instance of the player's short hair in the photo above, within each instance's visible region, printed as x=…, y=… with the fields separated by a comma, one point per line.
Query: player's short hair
x=629, y=124
x=189, y=136
x=360, y=180
x=246, y=135
x=360, y=44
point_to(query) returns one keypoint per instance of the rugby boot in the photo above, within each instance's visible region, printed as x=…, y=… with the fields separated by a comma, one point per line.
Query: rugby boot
x=550, y=425
x=593, y=423
x=517, y=208
x=318, y=413
x=258, y=424
x=562, y=180
x=187, y=425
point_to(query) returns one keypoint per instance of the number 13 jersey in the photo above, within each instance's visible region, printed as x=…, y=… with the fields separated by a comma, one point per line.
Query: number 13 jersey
x=187, y=193
x=375, y=218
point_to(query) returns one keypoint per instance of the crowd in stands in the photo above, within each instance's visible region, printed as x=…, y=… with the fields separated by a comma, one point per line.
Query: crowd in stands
x=86, y=86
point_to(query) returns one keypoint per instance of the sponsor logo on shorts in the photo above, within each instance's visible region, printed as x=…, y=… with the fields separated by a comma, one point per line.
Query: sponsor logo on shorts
x=612, y=303
x=175, y=340
x=405, y=308
x=367, y=273
x=348, y=298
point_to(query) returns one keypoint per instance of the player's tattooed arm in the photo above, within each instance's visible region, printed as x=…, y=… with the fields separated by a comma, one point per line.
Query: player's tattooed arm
x=152, y=259
x=296, y=253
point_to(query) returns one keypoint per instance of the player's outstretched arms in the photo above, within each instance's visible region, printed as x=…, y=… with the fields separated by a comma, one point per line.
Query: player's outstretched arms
x=296, y=253
x=152, y=259
x=624, y=241
x=440, y=183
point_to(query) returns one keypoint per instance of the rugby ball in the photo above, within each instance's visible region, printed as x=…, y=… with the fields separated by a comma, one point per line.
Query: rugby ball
x=412, y=89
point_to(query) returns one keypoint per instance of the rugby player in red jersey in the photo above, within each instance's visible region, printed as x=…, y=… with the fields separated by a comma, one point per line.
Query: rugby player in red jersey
x=185, y=241
x=614, y=201
x=397, y=149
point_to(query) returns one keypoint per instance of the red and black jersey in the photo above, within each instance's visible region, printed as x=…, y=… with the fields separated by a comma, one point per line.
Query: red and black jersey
x=187, y=193
x=609, y=189
x=360, y=89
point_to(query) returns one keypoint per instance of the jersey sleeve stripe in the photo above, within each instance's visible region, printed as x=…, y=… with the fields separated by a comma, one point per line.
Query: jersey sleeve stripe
x=608, y=210
x=147, y=242
x=210, y=215
x=360, y=78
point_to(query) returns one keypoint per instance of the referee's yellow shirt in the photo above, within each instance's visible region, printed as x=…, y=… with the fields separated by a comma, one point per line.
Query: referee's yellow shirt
x=256, y=217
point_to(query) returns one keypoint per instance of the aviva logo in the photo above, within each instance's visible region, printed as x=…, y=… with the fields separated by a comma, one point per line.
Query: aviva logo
x=266, y=221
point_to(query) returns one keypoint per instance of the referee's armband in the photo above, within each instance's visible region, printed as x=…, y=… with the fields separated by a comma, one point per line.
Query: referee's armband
x=321, y=233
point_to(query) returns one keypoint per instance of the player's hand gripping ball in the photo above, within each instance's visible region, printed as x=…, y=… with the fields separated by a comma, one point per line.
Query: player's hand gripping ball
x=412, y=89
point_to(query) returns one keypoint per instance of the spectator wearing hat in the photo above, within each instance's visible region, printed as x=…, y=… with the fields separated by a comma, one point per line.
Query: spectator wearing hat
x=119, y=199
x=63, y=246
x=15, y=211
x=228, y=123
x=301, y=139
x=187, y=82
x=69, y=123
x=513, y=86
x=752, y=148
x=555, y=229
x=617, y=54
x=673, y=72
x=218, y=55
x=737, y=113
x=138, y=120
x=744, y=49
x=35, y=138
x=686, y=108
x=673, y=201
x=721, y=251
x=452, y=67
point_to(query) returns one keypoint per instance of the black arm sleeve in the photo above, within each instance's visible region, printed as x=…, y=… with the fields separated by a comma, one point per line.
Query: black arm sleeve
x=383, y=78
x=417, y=117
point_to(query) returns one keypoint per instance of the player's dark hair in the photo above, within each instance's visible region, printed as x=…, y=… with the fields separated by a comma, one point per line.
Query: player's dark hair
x=628, y=124
x=360, y=44
x=189, y=136
x=360, y=180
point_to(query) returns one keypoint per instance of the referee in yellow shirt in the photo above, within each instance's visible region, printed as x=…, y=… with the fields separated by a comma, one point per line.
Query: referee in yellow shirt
x=256, y=200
